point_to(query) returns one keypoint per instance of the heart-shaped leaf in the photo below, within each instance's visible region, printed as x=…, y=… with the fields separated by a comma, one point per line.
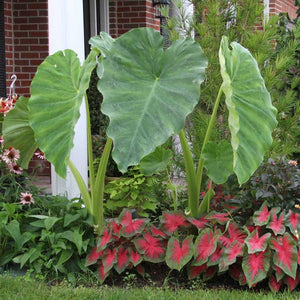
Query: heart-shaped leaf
x=57, y=91
x=218, y=160
x=148, y=92
x=252, y=117
x=156, y=161
x=177, y=255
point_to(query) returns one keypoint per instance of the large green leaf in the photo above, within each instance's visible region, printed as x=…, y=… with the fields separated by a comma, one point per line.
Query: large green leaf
x=57, y=91
x=148, y=92
x=18, y=133
x=218, y=160
x=252, y=116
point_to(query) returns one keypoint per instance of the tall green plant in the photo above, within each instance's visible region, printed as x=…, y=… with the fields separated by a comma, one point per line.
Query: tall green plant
x=148, y=93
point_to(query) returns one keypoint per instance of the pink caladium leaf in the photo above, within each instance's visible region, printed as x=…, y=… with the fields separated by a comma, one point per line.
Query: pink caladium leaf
x=291, y=282
x=157, y=232
x=215, y=258
x=256, y=243
x=105, y=238
x=116, y=229
x=235, y=233
x=122, y=260
x=134, y=257
x=274, y=284
x=172, y=221
x=262, y=216
x=276, y=223
x=256, y=266
x=131, y=227
x=230, y=255
x=199, y=223
x=151, y=247
x=292, y=220
x=109, y=259
x=195, y=271
x=102, y=275
x=286, y=254
x=220, y=218
x=94, y=256
x=178, y=255
x=205, y=245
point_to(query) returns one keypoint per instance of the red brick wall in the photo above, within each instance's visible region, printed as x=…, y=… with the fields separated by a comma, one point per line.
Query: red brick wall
x=277, y=6
x=127, y=14
x=26, y=40
x=9, y=42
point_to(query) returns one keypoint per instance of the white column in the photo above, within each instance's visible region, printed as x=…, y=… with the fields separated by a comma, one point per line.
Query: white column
x=66, y=31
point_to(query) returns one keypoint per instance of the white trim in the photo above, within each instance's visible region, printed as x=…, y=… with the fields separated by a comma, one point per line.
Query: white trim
x=66, y=31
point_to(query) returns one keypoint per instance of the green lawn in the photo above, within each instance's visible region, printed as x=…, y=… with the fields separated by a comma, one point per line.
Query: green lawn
x=18, y=288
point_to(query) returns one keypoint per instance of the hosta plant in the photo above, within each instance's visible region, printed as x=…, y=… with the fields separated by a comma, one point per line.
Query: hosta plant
x=147, y=95
x=267, y=248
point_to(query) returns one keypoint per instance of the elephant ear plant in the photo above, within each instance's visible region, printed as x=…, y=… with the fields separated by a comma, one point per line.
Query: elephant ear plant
x=148, y=92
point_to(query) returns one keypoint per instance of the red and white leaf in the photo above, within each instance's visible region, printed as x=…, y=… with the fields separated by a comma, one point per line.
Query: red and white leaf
x=262, y=216
x=234, y=233
x=256, y=243
x=131, y=227
x=94, y=256
x=256, y=266
x=274, y=284
x=220, y=218
x=291, y=282
x=134, y=257
x=195, y=271
x=172, y=221
x=104, y=238
x=109, y=259
x=177, y=255
x=276, y=223
x=293, y=222
x=214, y=259
x=116, y=229
x=286, y=254
x=102, y=275
x=151, y=247
x=230, y=255
x=122, y=260
x=205, y=245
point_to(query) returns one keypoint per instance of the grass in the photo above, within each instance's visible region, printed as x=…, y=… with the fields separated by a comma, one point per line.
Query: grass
x=20, y=288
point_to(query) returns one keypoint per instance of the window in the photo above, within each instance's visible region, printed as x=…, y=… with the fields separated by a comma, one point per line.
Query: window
x=96, y=19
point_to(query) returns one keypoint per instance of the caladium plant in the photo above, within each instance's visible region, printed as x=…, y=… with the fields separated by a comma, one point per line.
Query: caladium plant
x=249, y=256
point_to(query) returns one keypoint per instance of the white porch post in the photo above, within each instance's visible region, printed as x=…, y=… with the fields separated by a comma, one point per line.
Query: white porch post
x=66, y=31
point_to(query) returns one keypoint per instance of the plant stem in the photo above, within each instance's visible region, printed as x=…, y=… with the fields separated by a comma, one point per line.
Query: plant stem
x=190, y=174
x=99, y=186
x=207, y=137
x=89, y=145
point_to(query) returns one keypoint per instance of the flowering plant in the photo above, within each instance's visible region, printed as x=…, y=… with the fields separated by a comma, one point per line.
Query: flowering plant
x=147, y=94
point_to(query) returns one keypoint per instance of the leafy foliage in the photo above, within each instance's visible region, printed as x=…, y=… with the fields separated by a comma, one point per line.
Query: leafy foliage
x=249, y=253
x=49, y=238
